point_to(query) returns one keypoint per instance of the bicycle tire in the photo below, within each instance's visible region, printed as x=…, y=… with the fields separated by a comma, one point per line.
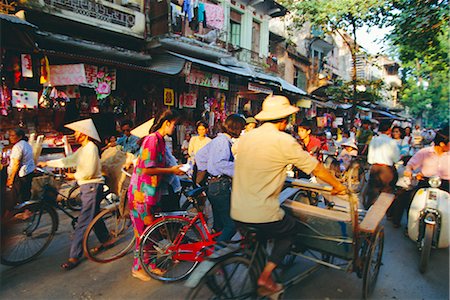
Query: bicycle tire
x=163, y=233
x=22, y=240
x=74, y=199
x=120, y=229
x=230, y=278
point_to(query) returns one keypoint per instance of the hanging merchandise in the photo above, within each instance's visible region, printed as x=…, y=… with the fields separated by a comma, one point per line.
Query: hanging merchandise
x=103, y=85
x=24, y=99
x=5, y=100
x=45, y=70
x=93, y=106
x=27, y=66
x=118, y=105
x=16, y=70
x=214, y=16
x=44, y=99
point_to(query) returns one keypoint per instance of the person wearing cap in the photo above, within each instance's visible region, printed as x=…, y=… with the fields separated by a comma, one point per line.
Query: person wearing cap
x=128, y=141
x=89, y=177
x=349, y=151
x=383, y=153
x=259, y=176
x=431, y=161
x=250, y=124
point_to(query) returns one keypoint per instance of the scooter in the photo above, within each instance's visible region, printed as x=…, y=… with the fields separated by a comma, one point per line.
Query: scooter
x=428, y=220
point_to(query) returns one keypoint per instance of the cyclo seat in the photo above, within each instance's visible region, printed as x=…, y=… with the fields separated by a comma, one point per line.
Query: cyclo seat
x=250, y=232
x=195, y=192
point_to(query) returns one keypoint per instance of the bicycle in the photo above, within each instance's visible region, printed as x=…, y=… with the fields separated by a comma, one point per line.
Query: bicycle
x=116, y=218
x=232, y=272
x=173, y=245
x=30, y=226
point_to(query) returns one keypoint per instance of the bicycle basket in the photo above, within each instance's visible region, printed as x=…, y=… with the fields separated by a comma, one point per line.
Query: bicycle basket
x=38, y=187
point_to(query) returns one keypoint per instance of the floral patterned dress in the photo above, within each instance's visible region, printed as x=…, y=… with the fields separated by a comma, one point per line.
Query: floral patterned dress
x=143, y=191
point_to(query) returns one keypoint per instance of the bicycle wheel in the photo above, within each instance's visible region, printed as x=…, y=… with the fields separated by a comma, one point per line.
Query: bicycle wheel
x=372, y=262
x=27, y=233
x=231, y=278
x=155, y=256
x=74, y=198
x=120, y=231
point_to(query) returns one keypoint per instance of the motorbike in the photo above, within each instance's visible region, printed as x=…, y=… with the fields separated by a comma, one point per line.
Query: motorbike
x=428, y=220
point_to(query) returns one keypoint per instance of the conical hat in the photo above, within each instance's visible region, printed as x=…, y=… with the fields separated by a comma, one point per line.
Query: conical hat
x=143, y=129
x=350, y=143
x=85, y=126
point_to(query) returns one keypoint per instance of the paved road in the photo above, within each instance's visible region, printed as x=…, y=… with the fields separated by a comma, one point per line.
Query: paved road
x=399, y=277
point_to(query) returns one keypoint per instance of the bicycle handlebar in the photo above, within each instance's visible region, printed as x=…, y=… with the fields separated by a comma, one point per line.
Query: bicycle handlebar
x=125, y=172
x=46, y=172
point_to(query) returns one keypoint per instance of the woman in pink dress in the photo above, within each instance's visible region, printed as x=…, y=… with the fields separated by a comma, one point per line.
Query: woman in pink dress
x=143, y=192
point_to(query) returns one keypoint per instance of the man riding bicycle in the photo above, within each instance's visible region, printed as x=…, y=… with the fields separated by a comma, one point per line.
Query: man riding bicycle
x=259, y=175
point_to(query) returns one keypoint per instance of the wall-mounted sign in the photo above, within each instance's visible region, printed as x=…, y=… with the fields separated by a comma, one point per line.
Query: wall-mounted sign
x=27, y=66
x=103, y=14
x=207, y=79
x=169, y=97
x=259, y=88
x=188, y=100
x=304, y=103
x=67, y=75
x=24, y=99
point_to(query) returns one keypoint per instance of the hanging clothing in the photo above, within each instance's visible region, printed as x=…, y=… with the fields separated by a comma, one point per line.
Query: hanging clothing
x=214, y=15
x=188, y=9
x=201, y=12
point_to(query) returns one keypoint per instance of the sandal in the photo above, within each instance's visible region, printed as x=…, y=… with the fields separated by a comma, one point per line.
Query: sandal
x=267, y=290
x=102, y=247
x=69, y=265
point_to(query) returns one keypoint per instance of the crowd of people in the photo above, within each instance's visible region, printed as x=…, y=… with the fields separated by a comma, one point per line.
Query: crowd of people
x=245, y=166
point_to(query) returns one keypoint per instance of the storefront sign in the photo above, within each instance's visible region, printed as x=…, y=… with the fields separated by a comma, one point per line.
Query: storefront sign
x=188, y=100
x=24, y=99
x=27, y=66
x=169, y=97
x=91, y=74
x=259, y=88
x=303, y=103
x=207, y=79
x=67, y=75
x=103, y=14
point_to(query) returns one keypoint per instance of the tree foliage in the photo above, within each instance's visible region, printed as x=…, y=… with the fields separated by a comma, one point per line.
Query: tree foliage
x=421, y=40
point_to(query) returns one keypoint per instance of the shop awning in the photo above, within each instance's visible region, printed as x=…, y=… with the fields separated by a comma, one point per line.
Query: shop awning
x=246, y=71
x=16, y=33
x=218, y=67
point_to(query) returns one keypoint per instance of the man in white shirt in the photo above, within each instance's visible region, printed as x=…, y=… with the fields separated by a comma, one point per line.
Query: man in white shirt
x=383, y=154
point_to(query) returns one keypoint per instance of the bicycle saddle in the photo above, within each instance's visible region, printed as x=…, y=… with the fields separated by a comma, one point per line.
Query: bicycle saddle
x=195, y=192
x=249, y=231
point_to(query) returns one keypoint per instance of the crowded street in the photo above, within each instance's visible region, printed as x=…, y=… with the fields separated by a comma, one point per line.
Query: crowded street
x=399, y=277
x=224, y=149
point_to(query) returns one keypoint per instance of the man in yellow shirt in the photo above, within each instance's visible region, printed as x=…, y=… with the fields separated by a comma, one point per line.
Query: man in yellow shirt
x=259, y=175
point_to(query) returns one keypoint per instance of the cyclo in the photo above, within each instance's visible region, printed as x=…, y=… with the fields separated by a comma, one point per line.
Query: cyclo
x=338, y=236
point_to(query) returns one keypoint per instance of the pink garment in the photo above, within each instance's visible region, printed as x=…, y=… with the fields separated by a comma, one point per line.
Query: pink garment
x=431, y=164
x=214, y=16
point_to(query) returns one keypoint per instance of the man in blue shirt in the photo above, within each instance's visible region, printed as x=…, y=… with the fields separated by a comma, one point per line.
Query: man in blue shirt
x=127, y=140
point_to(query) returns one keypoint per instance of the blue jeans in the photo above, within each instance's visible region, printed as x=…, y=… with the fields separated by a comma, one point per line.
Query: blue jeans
x=91, y=196
x=219, y=194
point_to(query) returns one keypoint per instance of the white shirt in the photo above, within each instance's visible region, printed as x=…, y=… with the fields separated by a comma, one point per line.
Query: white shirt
x=383, y=150
x=23, y=152
x=87, y=162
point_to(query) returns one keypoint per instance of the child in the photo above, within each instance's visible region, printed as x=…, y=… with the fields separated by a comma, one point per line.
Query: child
x=349, y=151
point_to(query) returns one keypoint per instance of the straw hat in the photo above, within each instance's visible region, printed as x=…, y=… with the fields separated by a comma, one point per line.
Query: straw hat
x=250, y=120
x=276, y=107
x=143, y=129
x=350, y=143
x=86, y=127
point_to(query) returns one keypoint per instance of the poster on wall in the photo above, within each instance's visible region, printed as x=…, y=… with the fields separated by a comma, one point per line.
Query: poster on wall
x=321, y=121
x=24, y=99
x=67, y=75
x=169, y=97
x=27, y=66
x=190, y=100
